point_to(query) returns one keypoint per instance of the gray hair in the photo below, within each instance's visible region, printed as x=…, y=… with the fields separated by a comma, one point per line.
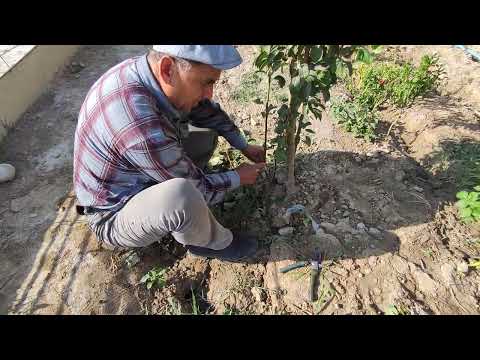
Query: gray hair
x=183, y=64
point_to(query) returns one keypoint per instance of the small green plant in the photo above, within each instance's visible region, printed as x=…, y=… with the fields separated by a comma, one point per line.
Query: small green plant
x=429, y=252
x=155, y=277
x=475, y=263
x=174, y=307
x=195, y=308
x=469, y=205
x=309, y=71
x=375, y=83
x=397, y=310
x=355, y=118
x=466, y=163
x=231, y=311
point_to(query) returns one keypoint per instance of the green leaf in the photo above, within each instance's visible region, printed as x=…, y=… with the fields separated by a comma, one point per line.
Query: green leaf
x=477, y=188
x=465, y=213
x=149, y=285
x=462, y=195
x=476, y=213
x=473, y=196
x=307, y=90
x=310, y=131
x=145, y=278
x=296, y=85
x=281, y=80
x=342, y=70
x=308, y=140
x=283, y=112
x=316, y=54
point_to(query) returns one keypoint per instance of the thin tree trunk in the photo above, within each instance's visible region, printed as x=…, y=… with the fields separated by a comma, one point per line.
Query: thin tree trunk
x=291, y=152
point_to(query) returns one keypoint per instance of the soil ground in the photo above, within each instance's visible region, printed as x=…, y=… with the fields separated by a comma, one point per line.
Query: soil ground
x=390, y=231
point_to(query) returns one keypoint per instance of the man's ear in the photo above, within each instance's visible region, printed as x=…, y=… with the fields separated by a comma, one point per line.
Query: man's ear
x=166, y=70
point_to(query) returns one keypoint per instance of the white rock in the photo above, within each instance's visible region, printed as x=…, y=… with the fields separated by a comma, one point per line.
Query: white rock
x=374, y=232
x=462, y=267
x=7, y=172
x=258, y=294
x=329, y=227
x=361, y=227
x=286, y=231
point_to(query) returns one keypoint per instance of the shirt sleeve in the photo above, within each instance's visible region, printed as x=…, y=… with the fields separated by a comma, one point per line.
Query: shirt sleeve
x=208, y=114
x=160, y=156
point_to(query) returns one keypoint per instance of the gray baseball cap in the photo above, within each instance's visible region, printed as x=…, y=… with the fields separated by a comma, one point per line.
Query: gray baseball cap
x=222, y=57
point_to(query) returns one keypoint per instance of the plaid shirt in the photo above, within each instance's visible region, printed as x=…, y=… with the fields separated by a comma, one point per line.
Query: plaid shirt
x=129, y=137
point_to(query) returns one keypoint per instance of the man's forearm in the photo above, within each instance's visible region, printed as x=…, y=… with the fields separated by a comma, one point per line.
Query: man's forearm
x=210, y=115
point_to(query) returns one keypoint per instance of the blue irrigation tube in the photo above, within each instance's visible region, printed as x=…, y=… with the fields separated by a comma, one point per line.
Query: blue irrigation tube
x=475, y=55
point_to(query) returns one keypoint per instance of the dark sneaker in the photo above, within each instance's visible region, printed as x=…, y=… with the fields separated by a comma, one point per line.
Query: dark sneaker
x=242, y=247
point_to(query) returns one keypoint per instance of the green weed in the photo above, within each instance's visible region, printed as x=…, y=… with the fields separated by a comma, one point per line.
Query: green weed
x=469, y=205
x=155, y=277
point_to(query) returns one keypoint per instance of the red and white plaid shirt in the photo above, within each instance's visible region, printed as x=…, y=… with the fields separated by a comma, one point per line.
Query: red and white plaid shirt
x=128, y=138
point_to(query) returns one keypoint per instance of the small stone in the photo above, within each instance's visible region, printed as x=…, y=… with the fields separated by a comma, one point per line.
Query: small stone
x=372, y=261
x=279, y=221
x=358, y=159
x=346, y=214
x=258, y=294
x=81, y=64
x=132, y=258
x=33, y=215
x=400, y=175
x=425, y=283
x=462, y=267
x=361, y=227
x=328, y=227
x=417, y=188
x=374, y=232
x=447, y=271
x=286, y=231
x=7, y=172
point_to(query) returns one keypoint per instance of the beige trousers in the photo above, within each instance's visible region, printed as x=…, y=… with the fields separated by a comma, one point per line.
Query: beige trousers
x=175, y=206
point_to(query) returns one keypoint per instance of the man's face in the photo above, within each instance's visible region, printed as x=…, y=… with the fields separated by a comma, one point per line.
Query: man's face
x=193, y=85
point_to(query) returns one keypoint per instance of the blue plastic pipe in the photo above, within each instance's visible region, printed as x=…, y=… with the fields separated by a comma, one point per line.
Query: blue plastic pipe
x=475, y=55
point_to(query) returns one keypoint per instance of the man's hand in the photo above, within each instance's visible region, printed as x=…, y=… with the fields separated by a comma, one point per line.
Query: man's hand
x=249, y=172
x=255, y=153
